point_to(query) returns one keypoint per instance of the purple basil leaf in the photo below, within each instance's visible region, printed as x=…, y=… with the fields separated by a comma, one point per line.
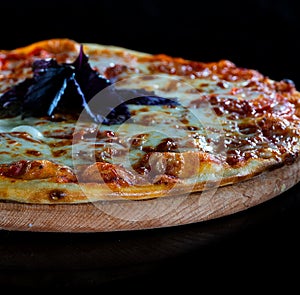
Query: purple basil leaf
x=81, y=59
x=144, y=97
x=12, y=100
x=90, y=81
x=43, y=96
x=109, y=108
x=42, y=65
x=69, y=88
x=82, y=105
x=54, y=88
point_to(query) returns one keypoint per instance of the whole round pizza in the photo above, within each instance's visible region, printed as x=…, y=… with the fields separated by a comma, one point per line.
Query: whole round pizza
x=84, y=124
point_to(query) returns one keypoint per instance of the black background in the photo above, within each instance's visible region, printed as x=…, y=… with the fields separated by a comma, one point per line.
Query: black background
x=260, y=34
x=255, y=250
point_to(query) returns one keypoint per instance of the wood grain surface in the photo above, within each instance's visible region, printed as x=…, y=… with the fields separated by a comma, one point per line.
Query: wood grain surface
x=124, y=215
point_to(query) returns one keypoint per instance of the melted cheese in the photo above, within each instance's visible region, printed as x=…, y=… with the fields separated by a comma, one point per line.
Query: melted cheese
x=235, y=115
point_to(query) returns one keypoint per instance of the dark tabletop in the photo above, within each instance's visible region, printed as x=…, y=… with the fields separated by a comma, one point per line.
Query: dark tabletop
x=262, y=242
x=254, y=248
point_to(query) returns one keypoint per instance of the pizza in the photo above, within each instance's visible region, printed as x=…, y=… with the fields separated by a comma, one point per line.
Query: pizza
x=82, y=123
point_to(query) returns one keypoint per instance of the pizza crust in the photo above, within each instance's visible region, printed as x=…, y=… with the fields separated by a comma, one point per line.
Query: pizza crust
x=241, y=190
x=52, y=45
x=118, y=215
x=41, y=191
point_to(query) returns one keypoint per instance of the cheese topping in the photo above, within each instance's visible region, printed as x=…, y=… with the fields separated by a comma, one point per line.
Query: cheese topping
x=235, y=119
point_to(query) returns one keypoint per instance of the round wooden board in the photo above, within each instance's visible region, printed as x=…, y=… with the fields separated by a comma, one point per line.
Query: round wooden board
x=155, y=213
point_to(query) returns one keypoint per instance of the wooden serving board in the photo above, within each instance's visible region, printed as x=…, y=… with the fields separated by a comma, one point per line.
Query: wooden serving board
x=155, y=213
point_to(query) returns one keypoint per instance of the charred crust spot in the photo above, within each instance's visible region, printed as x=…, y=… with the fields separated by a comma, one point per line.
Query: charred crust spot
x=290, y=158
x=33, y=153
x=56, y=195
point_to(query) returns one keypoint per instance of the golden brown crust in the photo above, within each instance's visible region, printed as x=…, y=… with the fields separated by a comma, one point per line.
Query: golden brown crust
x=44, y=192
x=116, y=187
x=52, y=45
